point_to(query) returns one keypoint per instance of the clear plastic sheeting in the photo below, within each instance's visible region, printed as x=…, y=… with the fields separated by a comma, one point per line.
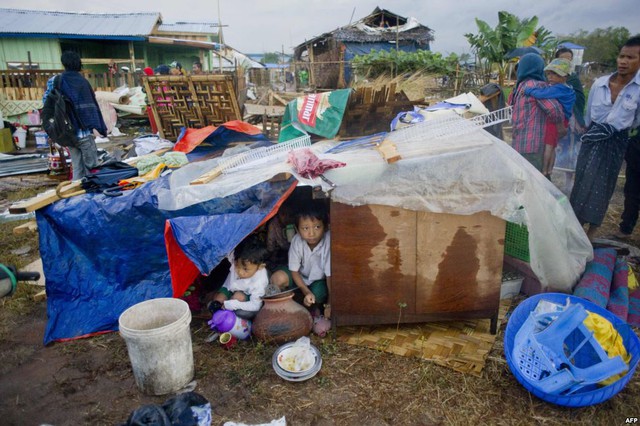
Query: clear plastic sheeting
x=181, y=193
x=458, y=174
x=478, y=173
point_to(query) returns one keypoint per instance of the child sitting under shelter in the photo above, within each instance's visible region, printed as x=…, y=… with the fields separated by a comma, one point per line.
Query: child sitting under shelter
x=247, y=281
x=309, y=264
x=556, y=73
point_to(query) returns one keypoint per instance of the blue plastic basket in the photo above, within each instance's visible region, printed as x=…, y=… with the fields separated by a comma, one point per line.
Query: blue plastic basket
x=586, y=396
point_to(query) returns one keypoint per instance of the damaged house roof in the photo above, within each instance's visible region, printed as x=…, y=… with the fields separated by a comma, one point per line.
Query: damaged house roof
x=31, y=23
x=370, y=29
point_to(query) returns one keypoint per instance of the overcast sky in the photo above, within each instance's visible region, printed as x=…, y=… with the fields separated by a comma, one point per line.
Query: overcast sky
x=258, y=26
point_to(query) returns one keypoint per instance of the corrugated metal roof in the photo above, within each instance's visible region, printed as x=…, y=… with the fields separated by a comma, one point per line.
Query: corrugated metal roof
x=21, y=21
x=190, y=27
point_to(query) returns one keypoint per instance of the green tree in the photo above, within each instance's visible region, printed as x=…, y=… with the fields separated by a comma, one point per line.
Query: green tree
x=492, y=44
x=271, y=58
x=545, y=40
x=601, y=45
x=393, y=62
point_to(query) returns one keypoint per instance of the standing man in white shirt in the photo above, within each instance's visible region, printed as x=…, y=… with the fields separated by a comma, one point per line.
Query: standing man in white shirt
x=612, y=109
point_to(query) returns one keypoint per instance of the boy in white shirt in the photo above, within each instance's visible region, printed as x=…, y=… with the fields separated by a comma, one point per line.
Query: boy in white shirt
x=309, y=266
x=247, y=281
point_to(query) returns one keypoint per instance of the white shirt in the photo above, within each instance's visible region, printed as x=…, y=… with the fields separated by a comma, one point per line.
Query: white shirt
x=624, y=113
x=255, y=286
x=313, y=264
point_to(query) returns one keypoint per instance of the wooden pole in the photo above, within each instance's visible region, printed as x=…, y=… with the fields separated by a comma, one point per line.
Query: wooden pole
x=130, y=74
x=220, y=35
x=341, y=83
x=312, y=74
x=397, y=42
x=455, y=85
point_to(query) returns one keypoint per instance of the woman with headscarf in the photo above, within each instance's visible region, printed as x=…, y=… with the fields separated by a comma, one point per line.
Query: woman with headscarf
x=530, y=115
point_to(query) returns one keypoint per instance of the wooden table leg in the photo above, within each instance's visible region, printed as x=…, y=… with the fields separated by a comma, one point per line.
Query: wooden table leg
x=494, y=323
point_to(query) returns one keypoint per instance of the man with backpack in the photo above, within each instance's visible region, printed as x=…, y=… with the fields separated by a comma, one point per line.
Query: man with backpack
x=82, y=115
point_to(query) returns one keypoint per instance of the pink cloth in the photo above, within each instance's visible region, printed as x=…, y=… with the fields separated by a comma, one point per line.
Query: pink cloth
x=308, y=165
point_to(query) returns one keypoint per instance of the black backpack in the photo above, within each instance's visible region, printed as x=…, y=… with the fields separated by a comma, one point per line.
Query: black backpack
x=56, y=119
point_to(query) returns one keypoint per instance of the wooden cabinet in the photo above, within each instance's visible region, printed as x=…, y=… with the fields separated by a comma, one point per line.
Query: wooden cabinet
x=442, y=266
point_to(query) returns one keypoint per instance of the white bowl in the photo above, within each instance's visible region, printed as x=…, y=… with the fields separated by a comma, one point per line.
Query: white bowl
x=296, y=364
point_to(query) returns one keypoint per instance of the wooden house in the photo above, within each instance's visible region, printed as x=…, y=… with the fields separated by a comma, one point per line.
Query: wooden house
x=34, y=39
x=327, y=56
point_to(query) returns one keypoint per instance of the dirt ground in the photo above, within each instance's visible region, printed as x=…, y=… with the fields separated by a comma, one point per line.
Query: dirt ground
x=90, y=382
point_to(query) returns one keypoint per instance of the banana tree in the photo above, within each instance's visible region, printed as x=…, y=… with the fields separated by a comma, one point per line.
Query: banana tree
x=545, y=40
x=492, y=44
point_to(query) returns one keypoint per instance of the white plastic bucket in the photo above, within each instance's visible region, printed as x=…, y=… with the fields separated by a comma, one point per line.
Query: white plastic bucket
x=21, y=137
x=42, y=140
x=158, y=340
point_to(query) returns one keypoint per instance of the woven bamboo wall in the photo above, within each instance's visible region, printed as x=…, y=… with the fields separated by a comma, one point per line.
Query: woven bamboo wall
x=191, y=101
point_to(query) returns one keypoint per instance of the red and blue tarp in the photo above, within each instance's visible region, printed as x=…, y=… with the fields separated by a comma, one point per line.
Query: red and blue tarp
x=104, y=254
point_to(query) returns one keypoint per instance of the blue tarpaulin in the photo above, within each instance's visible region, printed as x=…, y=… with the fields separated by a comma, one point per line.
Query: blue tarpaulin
x=102, y=254
x=569, y=45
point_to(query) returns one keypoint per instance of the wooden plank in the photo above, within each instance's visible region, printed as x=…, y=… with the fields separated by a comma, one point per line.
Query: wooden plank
x=279, y=99
x=154, y=107
x=271, y=110
x=368, y=95
x=388, y=151
x=40, y=296
x=373, y=260
x=235, y=107
x=49, y=197
x=30, y=226
x=459, y=262
x=35, y=266
x=196, y=104
x=207, y=177
x=261, y=99
x=391, y=95
x=34, y=203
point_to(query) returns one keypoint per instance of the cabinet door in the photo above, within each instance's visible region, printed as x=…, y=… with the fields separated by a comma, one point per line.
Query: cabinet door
x=373, y=260
x=459, y=262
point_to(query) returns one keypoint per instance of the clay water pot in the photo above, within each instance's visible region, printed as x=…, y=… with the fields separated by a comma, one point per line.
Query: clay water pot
x=282, y=320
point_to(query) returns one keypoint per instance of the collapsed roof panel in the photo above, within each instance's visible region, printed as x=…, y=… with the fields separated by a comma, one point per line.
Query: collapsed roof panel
x=379, y=26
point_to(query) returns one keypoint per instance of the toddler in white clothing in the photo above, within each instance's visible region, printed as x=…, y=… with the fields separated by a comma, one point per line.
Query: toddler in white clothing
x=247, y=281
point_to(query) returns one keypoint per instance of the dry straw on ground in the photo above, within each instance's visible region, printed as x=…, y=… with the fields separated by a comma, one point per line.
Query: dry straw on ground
x=416, y=86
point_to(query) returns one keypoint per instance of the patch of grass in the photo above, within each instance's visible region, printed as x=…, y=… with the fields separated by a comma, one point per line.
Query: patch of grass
x=24, y=193
x=328, y=347
x=323, y=381
x=73, y=347
x=11, y=242
x=21, y=302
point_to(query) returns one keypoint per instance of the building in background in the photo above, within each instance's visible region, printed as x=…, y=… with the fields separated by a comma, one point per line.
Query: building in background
x=34, y=39
x=326, y=57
